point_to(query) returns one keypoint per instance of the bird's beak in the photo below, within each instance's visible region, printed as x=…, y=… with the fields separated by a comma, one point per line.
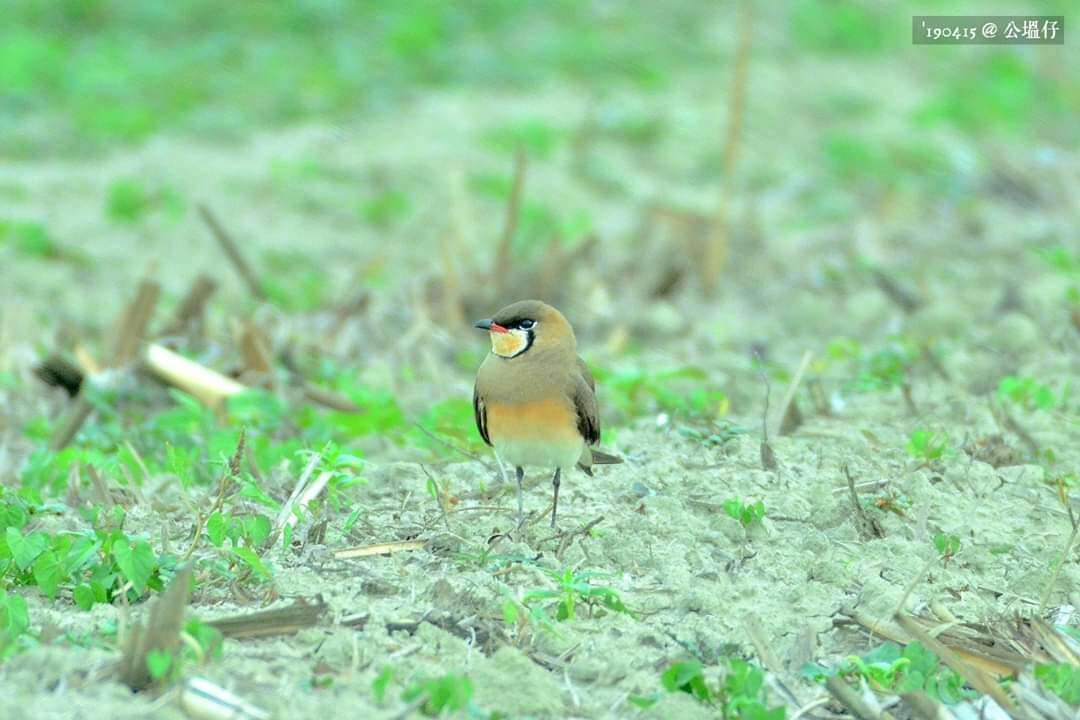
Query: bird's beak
x=490, y=326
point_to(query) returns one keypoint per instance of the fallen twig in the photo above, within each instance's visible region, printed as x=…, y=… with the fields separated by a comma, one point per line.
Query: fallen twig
x=908, y=301
x=268, y=623
x=380, y=549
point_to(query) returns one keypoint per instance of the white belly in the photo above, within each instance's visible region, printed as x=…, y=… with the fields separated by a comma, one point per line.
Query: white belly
x=522, y=453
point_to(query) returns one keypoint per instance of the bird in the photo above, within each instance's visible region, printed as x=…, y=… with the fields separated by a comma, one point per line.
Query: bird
x=534, y=400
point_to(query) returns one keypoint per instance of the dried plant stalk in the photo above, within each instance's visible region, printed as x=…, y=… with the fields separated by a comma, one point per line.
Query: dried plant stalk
x=716, y=248
x=134, y=321
x=501, y=271
x=161, y=634
x=193, y=305
x=232, y=250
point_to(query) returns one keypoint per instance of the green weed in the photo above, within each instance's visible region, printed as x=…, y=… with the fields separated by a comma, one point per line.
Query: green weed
x=850, y=29
x=928, y=446
x=94, y=566
x=684, y=392
x=536, y=136
x=890, y=669
x=1026, y=392
x=1061, y=679
x=129, y=201
x=946, y=545
x=294, y=281
x=749, y=514
x=14, y=624
x=572, y=590
x=994, y=91
x=738, y=695
x=386, y=208
x=32, y=240
x=449, y=694
x=158, y=69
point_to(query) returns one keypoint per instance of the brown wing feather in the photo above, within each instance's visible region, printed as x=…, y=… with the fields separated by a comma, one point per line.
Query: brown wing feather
x=584, y=370
x=480, y=415
x=583, y=393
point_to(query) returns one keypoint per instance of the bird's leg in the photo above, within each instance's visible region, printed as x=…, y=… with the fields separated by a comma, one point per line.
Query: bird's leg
x=555, y=500
x=521, y=492
x=502, y=468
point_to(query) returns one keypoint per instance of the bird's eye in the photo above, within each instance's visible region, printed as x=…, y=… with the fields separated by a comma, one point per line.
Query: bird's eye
x=527, y=324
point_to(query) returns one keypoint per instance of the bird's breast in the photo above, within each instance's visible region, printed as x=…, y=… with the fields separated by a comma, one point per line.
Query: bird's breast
x=539, y=432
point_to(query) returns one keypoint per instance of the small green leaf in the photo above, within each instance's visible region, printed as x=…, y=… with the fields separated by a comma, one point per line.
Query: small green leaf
x=510, y=613
x=252, y=491
x=215, y=529
x=350, y=521
x=686, y=677
x=25, y=548
x=644, y=701
x=14, y=618
x=158, y=663
x=84, y=596
x=136, y=561
x=48, y=573
x=248, y=556
x=257, y=529
x=381, y=683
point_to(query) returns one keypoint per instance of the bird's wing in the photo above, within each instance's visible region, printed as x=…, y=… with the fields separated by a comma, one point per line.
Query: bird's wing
x=480, y=414
x=584, y=370
x=582, y=392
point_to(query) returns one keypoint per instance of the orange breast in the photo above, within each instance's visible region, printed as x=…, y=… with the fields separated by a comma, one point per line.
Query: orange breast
x=544, y=420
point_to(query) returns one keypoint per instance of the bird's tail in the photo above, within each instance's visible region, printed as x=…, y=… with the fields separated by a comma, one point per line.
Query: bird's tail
x=592, y=457
x=602, y=458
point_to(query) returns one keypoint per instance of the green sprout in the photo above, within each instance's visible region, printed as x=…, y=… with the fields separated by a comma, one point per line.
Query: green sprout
x=749, y=514
x=927, y=446
x=947, y=545
x=572, y=590
x=1026, y=392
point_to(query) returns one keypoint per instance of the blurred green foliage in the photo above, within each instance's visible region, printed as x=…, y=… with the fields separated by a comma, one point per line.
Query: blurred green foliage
x=102, y=72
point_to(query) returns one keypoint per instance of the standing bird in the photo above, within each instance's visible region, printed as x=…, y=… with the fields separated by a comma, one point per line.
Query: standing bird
x=534, y=399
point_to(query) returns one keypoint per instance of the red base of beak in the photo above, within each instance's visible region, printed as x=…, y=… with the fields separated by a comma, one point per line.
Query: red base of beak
x=497, y=328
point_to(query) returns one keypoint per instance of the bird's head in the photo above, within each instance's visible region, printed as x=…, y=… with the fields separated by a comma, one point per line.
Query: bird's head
x=528, y=325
